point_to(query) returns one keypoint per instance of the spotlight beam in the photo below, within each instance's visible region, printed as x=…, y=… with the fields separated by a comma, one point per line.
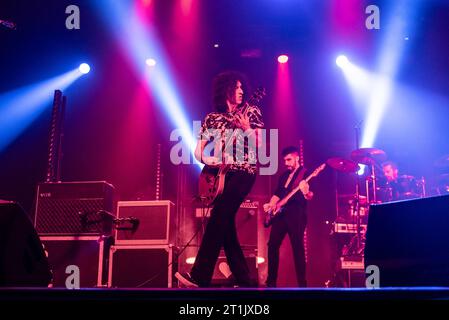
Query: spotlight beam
x=22, y=106
x=389, y=64
x=140, y=41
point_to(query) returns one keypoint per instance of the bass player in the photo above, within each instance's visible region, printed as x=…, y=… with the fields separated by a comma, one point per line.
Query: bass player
x=292, y=219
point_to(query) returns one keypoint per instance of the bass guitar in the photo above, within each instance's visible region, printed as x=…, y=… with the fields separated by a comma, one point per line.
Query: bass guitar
x=271, y=214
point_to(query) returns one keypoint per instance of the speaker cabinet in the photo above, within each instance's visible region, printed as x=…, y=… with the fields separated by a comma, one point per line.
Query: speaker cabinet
x=408, y=241
x=223, y=276
x=22, y=258
x=246, y=222
x=154, y=222
x=88, y=253
x=142, y=266
x=74, y=208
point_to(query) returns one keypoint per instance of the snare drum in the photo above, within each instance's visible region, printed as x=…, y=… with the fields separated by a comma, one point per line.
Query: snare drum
x=384, y=193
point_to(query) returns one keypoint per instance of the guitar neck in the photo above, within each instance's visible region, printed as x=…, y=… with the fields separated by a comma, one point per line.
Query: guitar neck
x=252, y=100
x=245, y=106
x=306, y=180
x=314, y=174
x=288, y=196
x=309, y=178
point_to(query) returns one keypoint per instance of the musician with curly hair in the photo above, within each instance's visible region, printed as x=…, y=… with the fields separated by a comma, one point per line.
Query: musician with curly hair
x=229, y=128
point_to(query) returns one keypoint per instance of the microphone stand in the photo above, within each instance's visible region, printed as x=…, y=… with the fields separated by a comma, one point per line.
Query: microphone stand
x=357, y=191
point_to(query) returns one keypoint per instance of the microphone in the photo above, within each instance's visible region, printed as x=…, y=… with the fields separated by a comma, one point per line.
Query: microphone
x=132, y=220
x=87, y=217
x=135, y=223
x=8, y=24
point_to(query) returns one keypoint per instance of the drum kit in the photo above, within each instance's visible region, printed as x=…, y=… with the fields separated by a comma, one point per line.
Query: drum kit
x=376, y=189
x=373, y=187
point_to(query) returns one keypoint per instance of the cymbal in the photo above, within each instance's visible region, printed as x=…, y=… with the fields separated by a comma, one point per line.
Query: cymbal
x=442, y=162
x=343, y=165
x=368, y=156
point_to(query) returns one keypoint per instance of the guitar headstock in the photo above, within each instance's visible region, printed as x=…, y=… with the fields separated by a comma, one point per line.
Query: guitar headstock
x=318, y=170
x=257, y=95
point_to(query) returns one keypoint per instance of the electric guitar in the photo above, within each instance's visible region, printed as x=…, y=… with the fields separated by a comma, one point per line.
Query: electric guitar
x=212, y=178
x=271, y=214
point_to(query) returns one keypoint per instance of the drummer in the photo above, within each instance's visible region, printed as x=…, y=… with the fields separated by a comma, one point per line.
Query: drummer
x=391, y=174
x=401, y=187
x=390, y=170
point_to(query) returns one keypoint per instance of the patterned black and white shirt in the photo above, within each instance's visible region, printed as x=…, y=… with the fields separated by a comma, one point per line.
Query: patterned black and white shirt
x=220, y=127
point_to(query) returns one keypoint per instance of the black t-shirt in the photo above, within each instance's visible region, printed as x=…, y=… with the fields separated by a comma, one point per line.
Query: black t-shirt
x=298, y=198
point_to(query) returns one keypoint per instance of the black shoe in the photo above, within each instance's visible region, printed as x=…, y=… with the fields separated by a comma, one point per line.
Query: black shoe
x=186, y=280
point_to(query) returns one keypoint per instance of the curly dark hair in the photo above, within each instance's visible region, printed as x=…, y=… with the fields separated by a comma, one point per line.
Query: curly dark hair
x=223, y=87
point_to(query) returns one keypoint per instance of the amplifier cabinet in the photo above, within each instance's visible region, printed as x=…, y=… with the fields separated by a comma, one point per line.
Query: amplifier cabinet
x=154, y=222
x=223, y=276
x=142, y=266
x=245, y=222
x=88, y=253
x=74, y=208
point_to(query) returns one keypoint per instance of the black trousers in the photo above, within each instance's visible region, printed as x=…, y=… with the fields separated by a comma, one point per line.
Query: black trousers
x=292, y=221
x=221, y=232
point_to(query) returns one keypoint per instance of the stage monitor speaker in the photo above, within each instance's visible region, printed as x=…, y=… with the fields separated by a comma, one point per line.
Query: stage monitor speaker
x=22, y=259
x=409, y=242
x=74, y=208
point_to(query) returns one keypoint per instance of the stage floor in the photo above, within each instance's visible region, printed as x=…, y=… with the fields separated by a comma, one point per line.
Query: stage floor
x=224, y=294
x=265, y=303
